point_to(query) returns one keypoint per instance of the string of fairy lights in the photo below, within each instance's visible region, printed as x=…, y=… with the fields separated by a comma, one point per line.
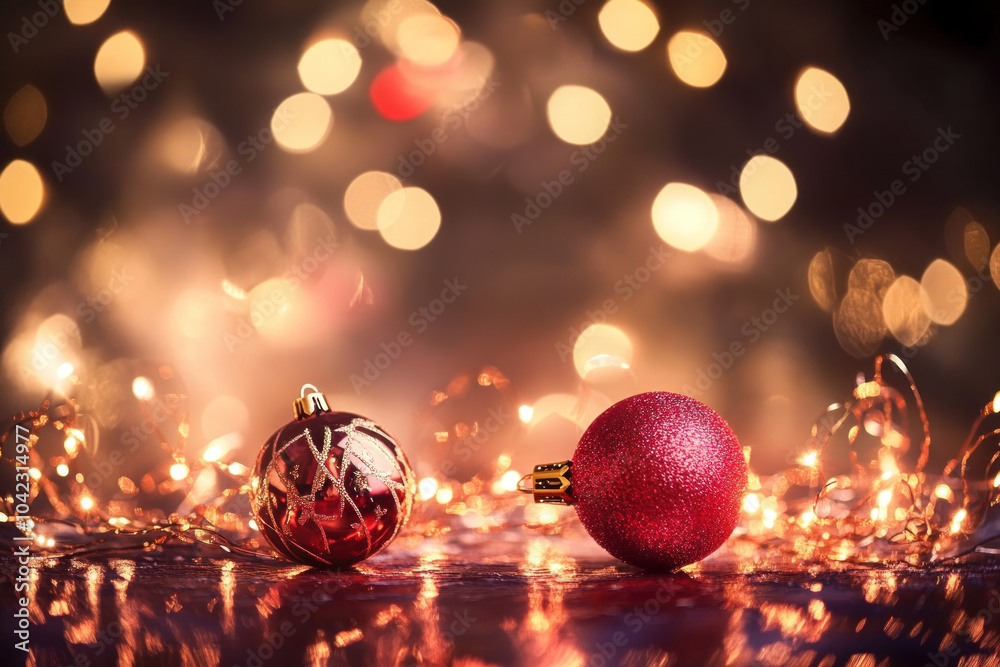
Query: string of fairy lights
x=884, y=507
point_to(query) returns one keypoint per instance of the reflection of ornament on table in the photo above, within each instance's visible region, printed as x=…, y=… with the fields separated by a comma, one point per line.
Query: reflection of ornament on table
x=657, y=480
x=330, y=488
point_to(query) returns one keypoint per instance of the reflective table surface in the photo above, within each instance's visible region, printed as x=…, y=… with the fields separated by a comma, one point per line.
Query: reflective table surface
x=503, y=599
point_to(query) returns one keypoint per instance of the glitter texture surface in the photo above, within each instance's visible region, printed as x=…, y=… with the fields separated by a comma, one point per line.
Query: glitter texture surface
x=331, y=489
x=659, y=480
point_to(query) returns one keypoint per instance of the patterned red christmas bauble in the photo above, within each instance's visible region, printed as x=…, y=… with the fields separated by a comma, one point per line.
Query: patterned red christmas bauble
x=330, y=488
x=657, y=479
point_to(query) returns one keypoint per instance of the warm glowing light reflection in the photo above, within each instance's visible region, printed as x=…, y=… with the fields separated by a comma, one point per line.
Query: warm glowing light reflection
x=142, y=388
x=382, y=18
x=185, y=145
x=82, y=12
x=944, y=294
x=736, y=235
x=995, y=265
x=25, y=115
x=22, y=192
x=768, y=187
x=64, y=371
x=365, y=195
x=684, y=216
x=630, y=25
x=578, y=115
x=427, y=487
x=329, y=66
x=408, y=219
x=302, y=122
x=178, y=471
x=821, y=280
x=509, y=480
x=958, y=520
x=224, y=416
x=119, y=61
x=197, y=313
x=904, y=313
x=976, y=243
x=428, y=40
x=821, y=100
x=696, y=59
x=525, y=413
x=601, y=346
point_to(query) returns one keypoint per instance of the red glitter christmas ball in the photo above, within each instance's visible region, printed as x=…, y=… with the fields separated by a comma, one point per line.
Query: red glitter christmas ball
x=331, y=488
x=658, y=480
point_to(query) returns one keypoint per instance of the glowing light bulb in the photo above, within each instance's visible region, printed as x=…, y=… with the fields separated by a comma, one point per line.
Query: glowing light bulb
x=526, y=412
x=427, y=488
x=142, y=388
x=509, y=480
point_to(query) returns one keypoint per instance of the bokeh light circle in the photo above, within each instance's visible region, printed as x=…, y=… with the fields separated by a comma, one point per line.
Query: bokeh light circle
x=696, y=59
x=302, y=122
x=22, y=192
x=366, y=194
x=768, y=187
x=630, y=25
x=119, y=61
x=578, y=115
x=329, y=67
x=409, y=218
x=82, y=12
x=601, y=346
x=822, y=100
x=684, y=216
x=944, y=293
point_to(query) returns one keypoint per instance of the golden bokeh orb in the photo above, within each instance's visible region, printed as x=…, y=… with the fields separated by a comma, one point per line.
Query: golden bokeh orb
x=630, y=25
x=578, y=115
x=684, y=216
x=119, y=61
x=696, y=58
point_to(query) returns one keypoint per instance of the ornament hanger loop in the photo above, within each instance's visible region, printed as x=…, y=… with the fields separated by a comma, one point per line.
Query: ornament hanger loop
x=550, y=483
x=308, y=404
x=525, y=484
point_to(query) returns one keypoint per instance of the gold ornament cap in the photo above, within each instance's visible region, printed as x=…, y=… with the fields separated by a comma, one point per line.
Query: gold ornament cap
x=309, y=404
x=550, y=483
